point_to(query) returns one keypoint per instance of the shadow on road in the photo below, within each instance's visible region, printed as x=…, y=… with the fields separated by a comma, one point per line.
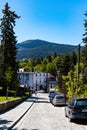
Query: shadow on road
x=41, y=98
x=37, y=99
x=32, y=99
x=41, y=101
x=3, y=124
x=4, y=121
x=63, y=105
x=80, y=121
x=24, y=129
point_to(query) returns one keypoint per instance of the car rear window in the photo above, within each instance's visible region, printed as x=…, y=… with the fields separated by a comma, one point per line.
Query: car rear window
x=52, y=92
x=59, y=97
x=82, y=102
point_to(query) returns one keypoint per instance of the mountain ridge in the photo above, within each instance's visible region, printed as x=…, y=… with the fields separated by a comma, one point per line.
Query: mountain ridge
x=39, y=48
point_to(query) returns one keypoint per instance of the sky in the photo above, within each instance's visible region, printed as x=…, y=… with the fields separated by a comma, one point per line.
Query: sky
x=58, y=21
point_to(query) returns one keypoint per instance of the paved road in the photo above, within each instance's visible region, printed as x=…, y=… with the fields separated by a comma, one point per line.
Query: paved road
x=9, y=118
x=44, y=116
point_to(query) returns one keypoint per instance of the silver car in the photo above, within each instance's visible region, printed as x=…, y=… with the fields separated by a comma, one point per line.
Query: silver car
x=59, y=100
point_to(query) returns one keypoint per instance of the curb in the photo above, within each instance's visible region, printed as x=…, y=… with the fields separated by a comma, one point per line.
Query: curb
x=9, y=128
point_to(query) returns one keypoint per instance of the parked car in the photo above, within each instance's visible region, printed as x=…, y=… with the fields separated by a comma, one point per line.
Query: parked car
x=59, y=100
x=76, y=109
x=52, y=94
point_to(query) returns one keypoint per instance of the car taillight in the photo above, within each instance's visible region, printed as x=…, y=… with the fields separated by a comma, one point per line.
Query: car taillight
x=73, y=109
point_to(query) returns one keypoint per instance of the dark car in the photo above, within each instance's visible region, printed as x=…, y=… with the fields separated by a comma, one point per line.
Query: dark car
x=76, y=109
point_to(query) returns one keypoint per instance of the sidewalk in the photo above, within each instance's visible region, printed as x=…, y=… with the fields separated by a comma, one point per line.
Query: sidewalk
x=12, y=116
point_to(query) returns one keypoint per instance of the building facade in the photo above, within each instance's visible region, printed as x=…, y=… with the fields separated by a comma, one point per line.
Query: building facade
x=32, y=80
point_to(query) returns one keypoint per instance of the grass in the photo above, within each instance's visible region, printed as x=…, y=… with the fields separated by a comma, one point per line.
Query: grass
x=3, y=98
x=10, y=97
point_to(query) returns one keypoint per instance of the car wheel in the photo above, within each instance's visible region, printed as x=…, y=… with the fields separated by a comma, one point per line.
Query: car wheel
x=53, y=104
x=65, y=114
x=71, y=120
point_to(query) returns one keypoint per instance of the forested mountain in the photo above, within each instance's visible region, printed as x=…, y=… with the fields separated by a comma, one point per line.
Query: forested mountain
x=39, y=48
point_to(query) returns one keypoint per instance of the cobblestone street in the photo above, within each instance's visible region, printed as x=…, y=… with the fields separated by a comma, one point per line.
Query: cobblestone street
x=44, y=116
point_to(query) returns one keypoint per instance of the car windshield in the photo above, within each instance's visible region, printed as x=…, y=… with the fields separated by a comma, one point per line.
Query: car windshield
x=82, y=102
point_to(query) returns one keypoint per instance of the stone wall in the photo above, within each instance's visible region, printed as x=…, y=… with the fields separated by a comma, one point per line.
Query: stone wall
x=9, y=104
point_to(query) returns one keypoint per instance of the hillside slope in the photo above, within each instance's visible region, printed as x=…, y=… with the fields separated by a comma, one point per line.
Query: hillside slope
x=39, y=48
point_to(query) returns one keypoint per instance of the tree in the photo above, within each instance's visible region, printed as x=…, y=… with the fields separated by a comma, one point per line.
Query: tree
x=74, y=58
x=8, y=78
x=84, y=52
x=0, y=63
x=66, y=64
x=85, y=41
x=55, y=55
x=8, y=42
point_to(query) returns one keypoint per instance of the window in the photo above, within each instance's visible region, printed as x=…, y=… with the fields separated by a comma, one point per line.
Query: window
x=82, y=103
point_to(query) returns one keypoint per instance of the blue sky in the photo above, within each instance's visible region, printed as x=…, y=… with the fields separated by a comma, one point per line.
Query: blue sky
x=59, y=21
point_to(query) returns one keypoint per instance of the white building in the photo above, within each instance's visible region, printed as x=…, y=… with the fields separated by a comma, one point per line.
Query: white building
x=40, y=80
x=33, y=80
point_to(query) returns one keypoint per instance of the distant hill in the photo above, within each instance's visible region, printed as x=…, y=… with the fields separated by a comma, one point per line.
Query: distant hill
x=39, y=48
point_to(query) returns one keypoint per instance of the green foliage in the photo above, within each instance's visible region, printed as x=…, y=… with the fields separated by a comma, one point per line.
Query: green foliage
x=8, y=76
x=67, y=63
x=39, y=68
x=8, y=40
x=84, y=55
x=85, y=42
x=3, y=98
x=58, y=88
x=71, y=83
x=50, y=64
x=85, y=26
x=8, y=48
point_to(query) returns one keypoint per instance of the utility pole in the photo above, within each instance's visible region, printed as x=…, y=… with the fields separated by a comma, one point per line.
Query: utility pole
x=78, y=71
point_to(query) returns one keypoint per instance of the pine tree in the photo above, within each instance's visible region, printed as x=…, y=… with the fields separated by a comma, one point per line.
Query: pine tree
x=84, y=52
x=85, y=41
x=66, y=64
x=8, y=41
